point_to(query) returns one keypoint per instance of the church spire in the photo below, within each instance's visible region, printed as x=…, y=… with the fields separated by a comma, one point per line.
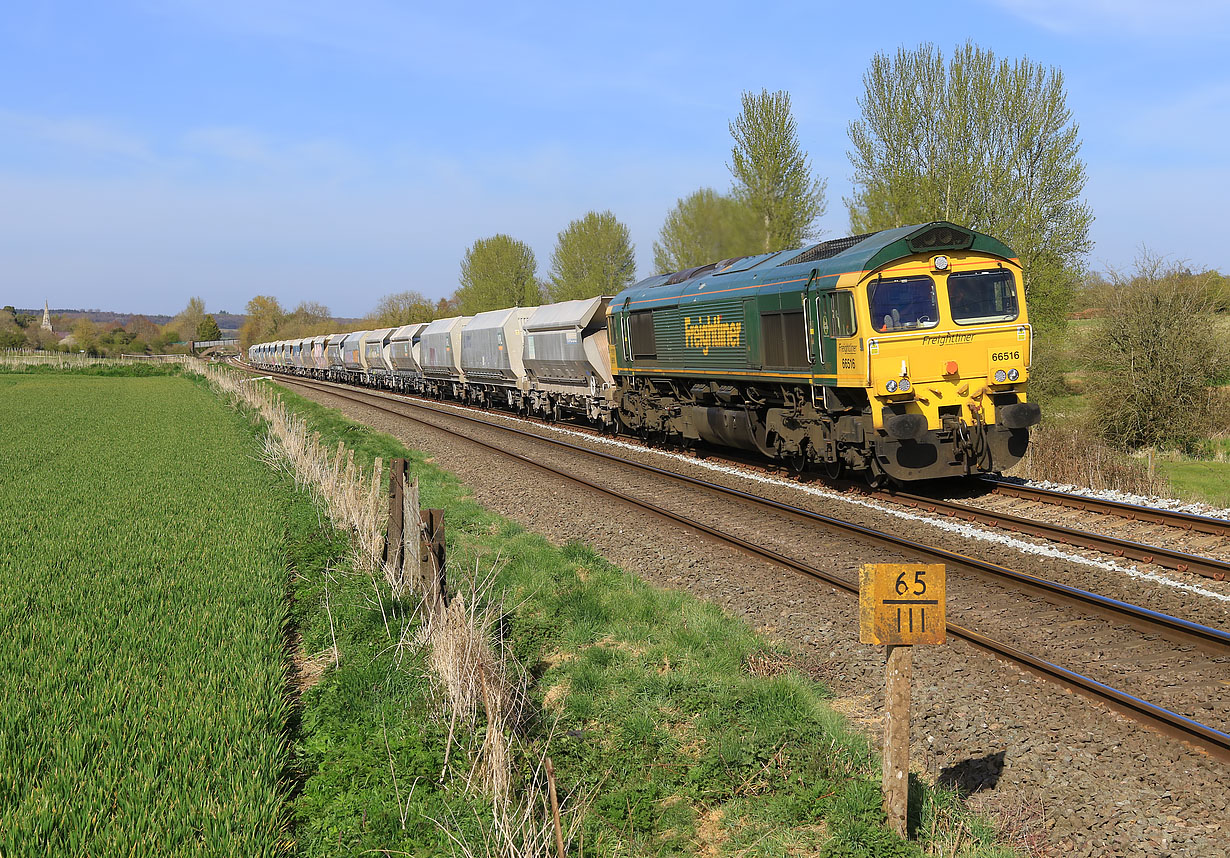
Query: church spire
x=46, y=326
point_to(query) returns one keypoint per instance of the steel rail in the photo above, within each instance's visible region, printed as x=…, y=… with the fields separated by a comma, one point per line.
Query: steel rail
x=1140, y=617
x=1180, y=560
x=1172, y=723
x=1137, y=512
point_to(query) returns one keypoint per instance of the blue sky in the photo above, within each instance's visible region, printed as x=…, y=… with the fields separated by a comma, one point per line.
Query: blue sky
x=337, y=152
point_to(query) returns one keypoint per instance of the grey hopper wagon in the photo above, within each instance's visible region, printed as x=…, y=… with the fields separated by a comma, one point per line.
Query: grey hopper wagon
x=403, y=354
x=320, y=352
x=440, y=356
x=492, y=344
x=375, y=353
x=352, y=354
x=334, y=366
x=568, y=360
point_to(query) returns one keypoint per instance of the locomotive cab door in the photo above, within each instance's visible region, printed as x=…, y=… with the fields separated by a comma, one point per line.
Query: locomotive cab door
x=826, y=364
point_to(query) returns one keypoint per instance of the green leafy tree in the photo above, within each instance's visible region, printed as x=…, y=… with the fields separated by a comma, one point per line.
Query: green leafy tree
x=705, y=227
x=497, y=272
x=85, y=335
x=401, y=308
x=982, y=142
x=189, y=318
x=207, y=329
x=265, y=318
x=1160, y=350
x=772, y=173
x=592, y=257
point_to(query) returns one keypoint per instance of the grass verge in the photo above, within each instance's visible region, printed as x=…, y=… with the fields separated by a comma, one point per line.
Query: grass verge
x=142, y=670
x=674, y=729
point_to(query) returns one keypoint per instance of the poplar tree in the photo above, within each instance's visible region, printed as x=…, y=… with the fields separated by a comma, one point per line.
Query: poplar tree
x=593, y=256
x=497, y=272
x=705, y=227
x=772, y=174
x=265, y=318
x=984, y=142
x=189, y=318
x=401, y=308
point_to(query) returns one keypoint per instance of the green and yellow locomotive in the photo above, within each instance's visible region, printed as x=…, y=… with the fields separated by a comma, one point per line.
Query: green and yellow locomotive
x=904, y=353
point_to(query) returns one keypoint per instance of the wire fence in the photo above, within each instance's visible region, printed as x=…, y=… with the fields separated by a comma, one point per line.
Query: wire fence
x=19, y=358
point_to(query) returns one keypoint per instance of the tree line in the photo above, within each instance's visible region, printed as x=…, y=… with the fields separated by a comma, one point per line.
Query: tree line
x=81, y=334
x=984, y=141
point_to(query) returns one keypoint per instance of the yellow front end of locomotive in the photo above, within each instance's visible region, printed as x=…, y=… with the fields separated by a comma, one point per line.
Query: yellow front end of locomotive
x=949, y=340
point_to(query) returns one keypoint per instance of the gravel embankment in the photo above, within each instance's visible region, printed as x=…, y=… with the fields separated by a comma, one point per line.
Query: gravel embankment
x=1095, y=783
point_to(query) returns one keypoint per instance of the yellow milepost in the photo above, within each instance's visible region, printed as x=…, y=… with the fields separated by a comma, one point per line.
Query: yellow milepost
x=901, y=604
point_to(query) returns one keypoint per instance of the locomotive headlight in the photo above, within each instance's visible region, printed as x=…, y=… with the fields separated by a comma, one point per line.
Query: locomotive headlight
x=1000, y=376
x=941, y=263
x=903, y=385
x=1014, y=374
x=891, y=385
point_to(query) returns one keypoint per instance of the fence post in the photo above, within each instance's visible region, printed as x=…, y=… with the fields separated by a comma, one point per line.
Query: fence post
x=435, y=590
x=394, y=543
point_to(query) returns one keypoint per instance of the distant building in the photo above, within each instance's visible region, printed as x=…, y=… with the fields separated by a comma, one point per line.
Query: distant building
x=46, y=325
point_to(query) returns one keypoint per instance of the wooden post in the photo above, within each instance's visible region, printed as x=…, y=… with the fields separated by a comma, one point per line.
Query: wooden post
x=394, y=544
x=435, y=591
x=897, y=736
x=559, y=832
x=900, y=605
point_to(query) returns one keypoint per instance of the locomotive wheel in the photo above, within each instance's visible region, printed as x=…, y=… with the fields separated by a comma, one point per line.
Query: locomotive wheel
x=875, y=476
x=833, y=468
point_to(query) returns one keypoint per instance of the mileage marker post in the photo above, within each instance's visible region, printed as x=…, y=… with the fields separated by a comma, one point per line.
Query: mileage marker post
x=900, y=605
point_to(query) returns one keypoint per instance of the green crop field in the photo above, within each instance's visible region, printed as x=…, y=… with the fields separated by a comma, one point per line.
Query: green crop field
x=143, y=579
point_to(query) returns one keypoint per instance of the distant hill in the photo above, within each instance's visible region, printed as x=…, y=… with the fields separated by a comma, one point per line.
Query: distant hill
x=230, y=323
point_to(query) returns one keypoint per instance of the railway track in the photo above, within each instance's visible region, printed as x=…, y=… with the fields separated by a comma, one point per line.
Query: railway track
x=1203, y=639
x=1178, y=560
x=1134, y=512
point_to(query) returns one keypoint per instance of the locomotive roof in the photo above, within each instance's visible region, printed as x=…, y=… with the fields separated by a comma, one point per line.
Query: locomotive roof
x=830, y=258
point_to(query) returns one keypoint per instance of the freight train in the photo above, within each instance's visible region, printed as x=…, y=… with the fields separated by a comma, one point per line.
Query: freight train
x=902, y=354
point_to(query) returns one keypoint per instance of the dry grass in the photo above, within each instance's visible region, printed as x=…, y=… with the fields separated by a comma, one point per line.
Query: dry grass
x=1072, y=454
x=19, y=359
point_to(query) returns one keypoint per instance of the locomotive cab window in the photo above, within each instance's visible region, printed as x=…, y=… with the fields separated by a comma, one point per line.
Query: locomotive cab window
x=903, y=303
x=640, y=332
x=840, y=317
x=783, y=338
x=977, y=297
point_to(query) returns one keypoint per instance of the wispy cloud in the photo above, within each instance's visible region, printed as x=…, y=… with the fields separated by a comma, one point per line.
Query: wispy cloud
x=253, y=148
x=1192, y=18
x=89, y=135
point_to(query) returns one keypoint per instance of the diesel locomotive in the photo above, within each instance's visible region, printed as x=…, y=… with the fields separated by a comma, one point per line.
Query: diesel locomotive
x=903, y=354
